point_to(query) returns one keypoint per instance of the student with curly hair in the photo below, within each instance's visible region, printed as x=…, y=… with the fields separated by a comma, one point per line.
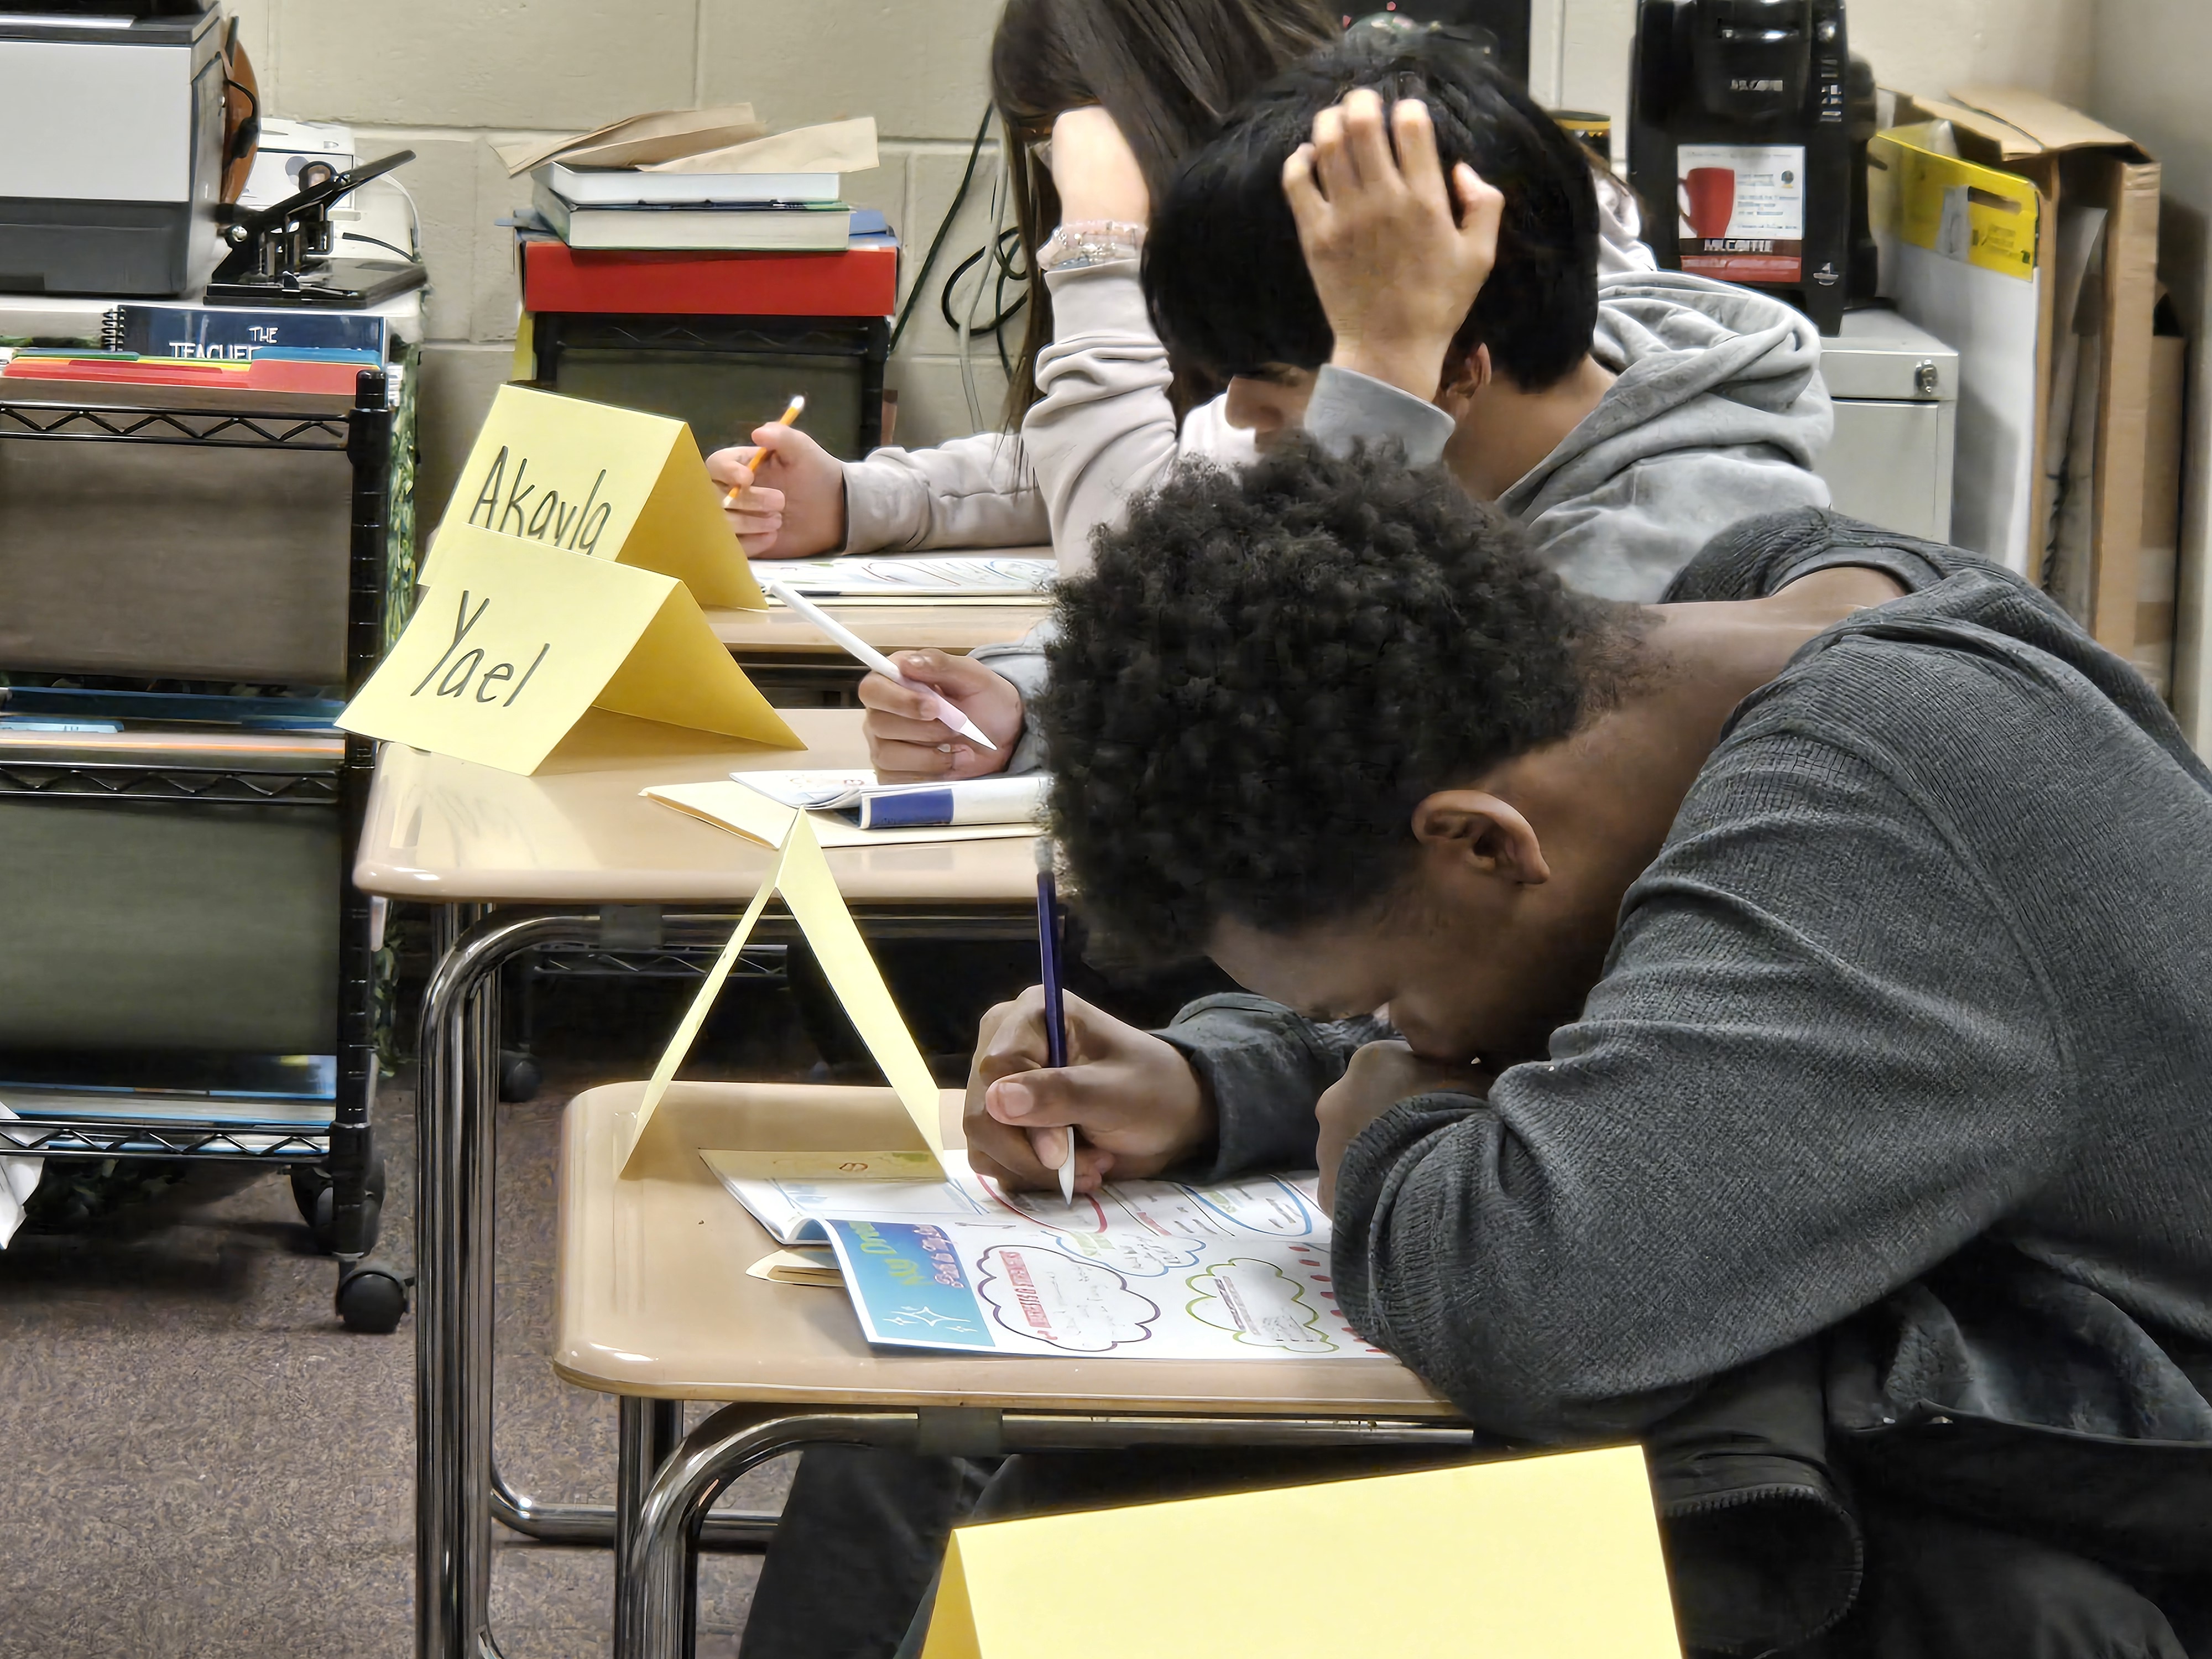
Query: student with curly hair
x=1822, y=957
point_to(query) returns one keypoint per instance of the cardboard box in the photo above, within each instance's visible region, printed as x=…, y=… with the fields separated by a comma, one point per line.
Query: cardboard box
x=2074, y=160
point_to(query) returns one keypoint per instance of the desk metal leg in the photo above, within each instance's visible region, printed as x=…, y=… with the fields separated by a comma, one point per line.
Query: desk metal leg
x=656, y=1607
x=647, y=1435
x=657, y=1625
x=454, y=1244
x=594, y=1524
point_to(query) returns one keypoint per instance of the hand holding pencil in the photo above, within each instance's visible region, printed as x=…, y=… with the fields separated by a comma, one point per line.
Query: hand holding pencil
x=1126, y=1101
x=783, y=493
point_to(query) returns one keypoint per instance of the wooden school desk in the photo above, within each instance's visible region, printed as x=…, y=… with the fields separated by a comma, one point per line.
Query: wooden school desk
x=576, y=858
x=655, y=1305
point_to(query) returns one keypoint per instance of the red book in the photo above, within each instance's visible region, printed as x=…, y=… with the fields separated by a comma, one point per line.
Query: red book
x=861, y=281
x=271, y=385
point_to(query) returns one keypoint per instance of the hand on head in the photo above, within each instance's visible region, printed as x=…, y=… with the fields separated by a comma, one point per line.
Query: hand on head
x=906, y=740
x=1396, y=270
x=1095, y=171
x=1137, y=1105
x=790, y=499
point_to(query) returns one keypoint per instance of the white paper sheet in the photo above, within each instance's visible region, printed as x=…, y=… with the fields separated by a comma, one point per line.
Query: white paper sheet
x=919, y=575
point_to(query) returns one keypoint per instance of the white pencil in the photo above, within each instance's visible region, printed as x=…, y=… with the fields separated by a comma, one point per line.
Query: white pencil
x=874, y=658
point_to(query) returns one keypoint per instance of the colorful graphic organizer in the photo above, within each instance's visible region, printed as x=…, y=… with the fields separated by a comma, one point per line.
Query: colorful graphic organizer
x=1142, y=1269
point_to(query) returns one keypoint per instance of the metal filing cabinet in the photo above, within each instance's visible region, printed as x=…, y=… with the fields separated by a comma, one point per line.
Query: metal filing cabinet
x=1896, y=390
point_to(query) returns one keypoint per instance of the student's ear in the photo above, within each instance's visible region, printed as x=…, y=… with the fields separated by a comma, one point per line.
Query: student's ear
x=1466, y=373
x=1475, y=833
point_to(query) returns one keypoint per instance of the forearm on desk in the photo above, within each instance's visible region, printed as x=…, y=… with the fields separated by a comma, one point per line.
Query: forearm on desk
x=977, y=491
x=1264, y=1067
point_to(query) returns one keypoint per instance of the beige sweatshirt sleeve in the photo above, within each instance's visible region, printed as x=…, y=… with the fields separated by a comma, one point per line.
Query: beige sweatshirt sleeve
x=968, y=492
x=1102, y=429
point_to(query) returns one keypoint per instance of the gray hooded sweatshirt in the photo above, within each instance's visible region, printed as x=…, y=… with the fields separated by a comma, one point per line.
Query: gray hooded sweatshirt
x=1718, y=415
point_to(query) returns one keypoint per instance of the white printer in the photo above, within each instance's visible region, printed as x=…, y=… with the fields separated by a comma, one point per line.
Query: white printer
x=111, y=138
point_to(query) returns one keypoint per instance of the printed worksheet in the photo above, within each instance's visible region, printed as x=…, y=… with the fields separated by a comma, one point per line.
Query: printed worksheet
x=794, y=1209
x=1129, y=1294
x=918, y=575
x=1140, y=1269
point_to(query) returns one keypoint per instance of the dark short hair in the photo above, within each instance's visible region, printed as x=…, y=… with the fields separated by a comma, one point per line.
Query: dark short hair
x=1264, y=672
x=1227, y=280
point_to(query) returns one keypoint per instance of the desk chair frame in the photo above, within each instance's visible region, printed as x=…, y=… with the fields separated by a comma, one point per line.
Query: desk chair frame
x=458, y=1488
x=346, y=1148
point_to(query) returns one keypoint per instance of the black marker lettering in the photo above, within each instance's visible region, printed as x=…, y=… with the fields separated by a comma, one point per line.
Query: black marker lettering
x=588, y=500
x=561, y=524
x=525, y=680
x=492, y=676
x=463, y=622
x=598, y=522
x=488, y=497
x=516, y=496
x=463, y=667
x=548, y=508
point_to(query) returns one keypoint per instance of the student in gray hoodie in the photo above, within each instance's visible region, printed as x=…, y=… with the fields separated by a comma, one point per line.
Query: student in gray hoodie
x=1451, y=302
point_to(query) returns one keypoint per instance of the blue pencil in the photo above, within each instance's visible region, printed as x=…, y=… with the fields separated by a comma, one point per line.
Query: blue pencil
x=1056, y=1010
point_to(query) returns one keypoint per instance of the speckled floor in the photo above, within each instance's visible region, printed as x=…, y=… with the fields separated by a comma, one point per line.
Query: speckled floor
x=201, y=1460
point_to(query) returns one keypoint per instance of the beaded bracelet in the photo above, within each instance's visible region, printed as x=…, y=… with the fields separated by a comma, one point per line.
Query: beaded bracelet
x=1080, y=243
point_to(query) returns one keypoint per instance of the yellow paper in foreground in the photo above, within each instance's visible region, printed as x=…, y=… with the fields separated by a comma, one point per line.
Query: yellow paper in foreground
x=800, y=875
x=585, y=477
x=505, y=654
x=1539, y=1557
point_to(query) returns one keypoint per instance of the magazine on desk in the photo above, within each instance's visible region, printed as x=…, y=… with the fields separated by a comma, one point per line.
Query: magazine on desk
x=1140, y=1269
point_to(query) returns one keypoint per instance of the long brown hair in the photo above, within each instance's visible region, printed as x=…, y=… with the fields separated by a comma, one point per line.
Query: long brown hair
x=1168, y=71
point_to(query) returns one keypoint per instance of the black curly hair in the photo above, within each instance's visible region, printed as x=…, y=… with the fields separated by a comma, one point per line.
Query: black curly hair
x=1264, y=672
x=1226, y=279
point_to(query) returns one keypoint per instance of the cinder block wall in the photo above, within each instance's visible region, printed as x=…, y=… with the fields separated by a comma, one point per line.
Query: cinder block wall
x=448, y=78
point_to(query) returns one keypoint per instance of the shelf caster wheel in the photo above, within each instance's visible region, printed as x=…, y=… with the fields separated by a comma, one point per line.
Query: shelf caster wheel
x=316, y=1198
x=373, y=1299
x=518, y=1076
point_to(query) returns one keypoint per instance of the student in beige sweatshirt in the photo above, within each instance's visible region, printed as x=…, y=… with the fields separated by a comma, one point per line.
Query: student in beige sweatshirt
x=1078, y=455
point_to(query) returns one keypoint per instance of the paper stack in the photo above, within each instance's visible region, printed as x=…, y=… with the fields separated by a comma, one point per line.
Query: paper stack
x=701, y=180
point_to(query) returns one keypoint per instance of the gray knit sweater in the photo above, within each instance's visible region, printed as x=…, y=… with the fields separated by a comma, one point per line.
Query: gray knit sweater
x=1926, y=959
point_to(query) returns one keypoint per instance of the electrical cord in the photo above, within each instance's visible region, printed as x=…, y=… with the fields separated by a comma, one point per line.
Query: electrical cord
x=944, y=229
x=356, y=236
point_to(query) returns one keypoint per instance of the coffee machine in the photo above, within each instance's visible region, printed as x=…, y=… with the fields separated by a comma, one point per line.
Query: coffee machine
x=1740, y=145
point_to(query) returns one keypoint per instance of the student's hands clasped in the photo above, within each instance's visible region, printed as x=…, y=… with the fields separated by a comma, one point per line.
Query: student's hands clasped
x=1140, y=1106
x=1380, y=1075
x=1397, y=272
x=790, y=493
x=908, y=743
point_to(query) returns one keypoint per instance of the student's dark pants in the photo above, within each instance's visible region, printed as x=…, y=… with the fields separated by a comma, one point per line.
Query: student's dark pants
x=864, y=1531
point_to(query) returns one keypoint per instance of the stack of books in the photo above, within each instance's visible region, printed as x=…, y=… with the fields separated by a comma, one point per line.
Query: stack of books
x=275, y=381
x=693, y=212
x=779, y=193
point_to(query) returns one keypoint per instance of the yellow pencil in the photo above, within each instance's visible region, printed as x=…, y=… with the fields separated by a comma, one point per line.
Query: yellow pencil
x=791, y=411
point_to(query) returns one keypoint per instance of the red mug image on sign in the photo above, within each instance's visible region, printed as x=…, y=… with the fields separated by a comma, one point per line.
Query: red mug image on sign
x=1709, y=201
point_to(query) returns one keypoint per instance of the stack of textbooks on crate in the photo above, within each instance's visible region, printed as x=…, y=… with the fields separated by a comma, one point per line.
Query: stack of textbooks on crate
x=693, y=189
